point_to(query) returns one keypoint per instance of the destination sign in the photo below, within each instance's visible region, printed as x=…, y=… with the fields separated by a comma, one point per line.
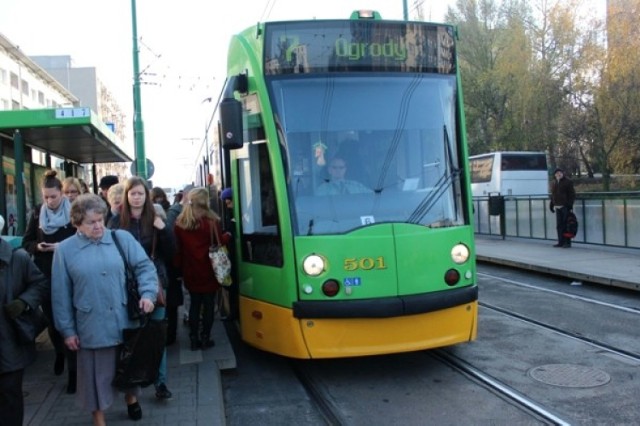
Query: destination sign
x=349, y=46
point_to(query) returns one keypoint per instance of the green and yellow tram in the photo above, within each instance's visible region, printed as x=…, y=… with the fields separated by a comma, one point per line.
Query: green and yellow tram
x=344, y=142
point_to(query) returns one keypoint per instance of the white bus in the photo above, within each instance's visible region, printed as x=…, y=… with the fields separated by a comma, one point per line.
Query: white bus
x=509, y=173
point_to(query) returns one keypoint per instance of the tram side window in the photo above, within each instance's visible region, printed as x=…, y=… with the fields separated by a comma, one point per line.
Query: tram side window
x=261, y=241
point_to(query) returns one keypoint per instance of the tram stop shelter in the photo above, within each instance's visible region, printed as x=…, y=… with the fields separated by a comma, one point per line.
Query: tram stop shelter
x=77, y=135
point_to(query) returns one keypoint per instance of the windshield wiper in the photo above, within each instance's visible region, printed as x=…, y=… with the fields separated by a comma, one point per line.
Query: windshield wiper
x=441, y=187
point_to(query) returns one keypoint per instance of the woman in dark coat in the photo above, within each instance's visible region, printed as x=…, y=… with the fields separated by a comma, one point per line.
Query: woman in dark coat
x=29, y=287
x=50, y=224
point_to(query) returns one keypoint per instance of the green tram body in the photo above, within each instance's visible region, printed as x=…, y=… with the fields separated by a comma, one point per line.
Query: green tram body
x=388, y=264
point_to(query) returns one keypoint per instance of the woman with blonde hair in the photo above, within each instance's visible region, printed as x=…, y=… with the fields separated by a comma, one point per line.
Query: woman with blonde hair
x=196, y=229
x=71, y=188
x=115, y=197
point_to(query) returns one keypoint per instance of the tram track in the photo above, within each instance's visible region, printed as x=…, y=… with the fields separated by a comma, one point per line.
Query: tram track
x=504, y=391
x=325, y=406
x=633, y=356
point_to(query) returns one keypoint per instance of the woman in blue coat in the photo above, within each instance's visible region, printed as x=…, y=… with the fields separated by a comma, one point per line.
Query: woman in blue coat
x=90, y=302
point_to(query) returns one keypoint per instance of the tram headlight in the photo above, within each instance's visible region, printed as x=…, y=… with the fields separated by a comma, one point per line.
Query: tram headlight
x=460, y=253
x=313, y=265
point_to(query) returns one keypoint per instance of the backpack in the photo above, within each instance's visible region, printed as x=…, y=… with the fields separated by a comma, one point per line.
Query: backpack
x=571, y=226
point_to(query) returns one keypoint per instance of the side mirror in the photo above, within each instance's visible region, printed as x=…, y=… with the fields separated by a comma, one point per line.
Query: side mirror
x=231, y=123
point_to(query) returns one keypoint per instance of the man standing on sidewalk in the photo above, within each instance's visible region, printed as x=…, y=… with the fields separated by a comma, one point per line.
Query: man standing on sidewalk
x=563, y=195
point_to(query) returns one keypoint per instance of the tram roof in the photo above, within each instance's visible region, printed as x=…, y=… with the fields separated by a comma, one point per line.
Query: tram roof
x=75, y=134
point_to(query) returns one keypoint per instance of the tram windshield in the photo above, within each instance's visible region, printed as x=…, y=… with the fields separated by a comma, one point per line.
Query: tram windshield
x=369, y=148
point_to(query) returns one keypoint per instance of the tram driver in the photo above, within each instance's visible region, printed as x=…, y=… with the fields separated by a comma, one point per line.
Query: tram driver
x=337, y=184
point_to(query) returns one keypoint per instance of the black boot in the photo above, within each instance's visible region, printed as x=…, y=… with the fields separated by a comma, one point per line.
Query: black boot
x=207, y=342
x=58, y=365
x=195, y=344
x=71, y=384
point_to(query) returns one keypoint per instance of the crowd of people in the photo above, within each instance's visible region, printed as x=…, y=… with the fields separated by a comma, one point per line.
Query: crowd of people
x=71, y=268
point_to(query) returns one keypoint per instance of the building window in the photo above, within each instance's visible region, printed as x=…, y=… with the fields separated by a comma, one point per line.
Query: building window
x=15, y=105
x=3, y=76
x=40, y=98
x=25, y=88
x=15, y=81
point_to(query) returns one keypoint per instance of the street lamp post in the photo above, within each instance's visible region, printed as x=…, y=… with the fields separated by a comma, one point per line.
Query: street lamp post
x=138, y=125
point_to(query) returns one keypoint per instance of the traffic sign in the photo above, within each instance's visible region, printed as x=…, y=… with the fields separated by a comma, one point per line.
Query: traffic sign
x=150, y=168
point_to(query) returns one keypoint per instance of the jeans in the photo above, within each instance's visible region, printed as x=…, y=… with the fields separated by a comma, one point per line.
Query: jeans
x=561, y=224
x=158, y=314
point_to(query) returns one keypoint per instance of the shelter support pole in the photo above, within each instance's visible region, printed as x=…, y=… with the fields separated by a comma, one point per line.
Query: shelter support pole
x=18, y=154
x=3, y=186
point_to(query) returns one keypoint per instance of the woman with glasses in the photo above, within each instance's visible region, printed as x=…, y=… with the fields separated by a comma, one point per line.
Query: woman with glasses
x=71, y=188
x=49, y=224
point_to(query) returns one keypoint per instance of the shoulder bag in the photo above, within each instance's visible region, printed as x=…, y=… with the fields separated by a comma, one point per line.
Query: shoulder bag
x=131, y=285
x=31, y=322
x=161, y=300
x=139, y=355
x=219, y=257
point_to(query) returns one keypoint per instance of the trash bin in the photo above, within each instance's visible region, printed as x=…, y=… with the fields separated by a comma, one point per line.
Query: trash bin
x=496, y=205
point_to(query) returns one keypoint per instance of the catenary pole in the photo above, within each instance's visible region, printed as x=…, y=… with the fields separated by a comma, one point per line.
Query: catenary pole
x=138, y=125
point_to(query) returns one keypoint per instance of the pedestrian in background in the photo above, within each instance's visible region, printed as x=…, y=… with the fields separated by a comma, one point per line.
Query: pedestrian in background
x=30, y=288
x=194, y=235
x=49, y=224
x=89, y=302
x=563, y=195
x=175, y=294
x=71, y=188
x=158, y=196
x=84, y=187
x=115, y=196
x=105, y=183
x=229, y=226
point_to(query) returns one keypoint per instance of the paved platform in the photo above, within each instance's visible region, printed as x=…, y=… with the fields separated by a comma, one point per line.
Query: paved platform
x=584, y=262
x=192, y=376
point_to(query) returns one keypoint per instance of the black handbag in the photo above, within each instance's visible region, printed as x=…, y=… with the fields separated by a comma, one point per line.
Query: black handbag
x=131, y=284
x=30, y=323
x=140, y=354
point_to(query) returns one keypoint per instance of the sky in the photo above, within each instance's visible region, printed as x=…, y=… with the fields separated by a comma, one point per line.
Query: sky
x=182, y=55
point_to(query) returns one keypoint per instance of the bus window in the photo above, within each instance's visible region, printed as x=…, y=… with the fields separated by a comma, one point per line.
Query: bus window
x=509, y=173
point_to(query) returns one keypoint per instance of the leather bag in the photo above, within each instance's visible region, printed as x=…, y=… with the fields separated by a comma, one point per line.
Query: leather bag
x=30, y=323
x=161, y=299
x=140, y=354
x=131, y=283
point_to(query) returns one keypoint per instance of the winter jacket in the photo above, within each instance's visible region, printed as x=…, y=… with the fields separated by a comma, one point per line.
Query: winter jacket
x=31, y=286
x=563, y=193
x=34, y=235
x=192, y=256
x=88, y=287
